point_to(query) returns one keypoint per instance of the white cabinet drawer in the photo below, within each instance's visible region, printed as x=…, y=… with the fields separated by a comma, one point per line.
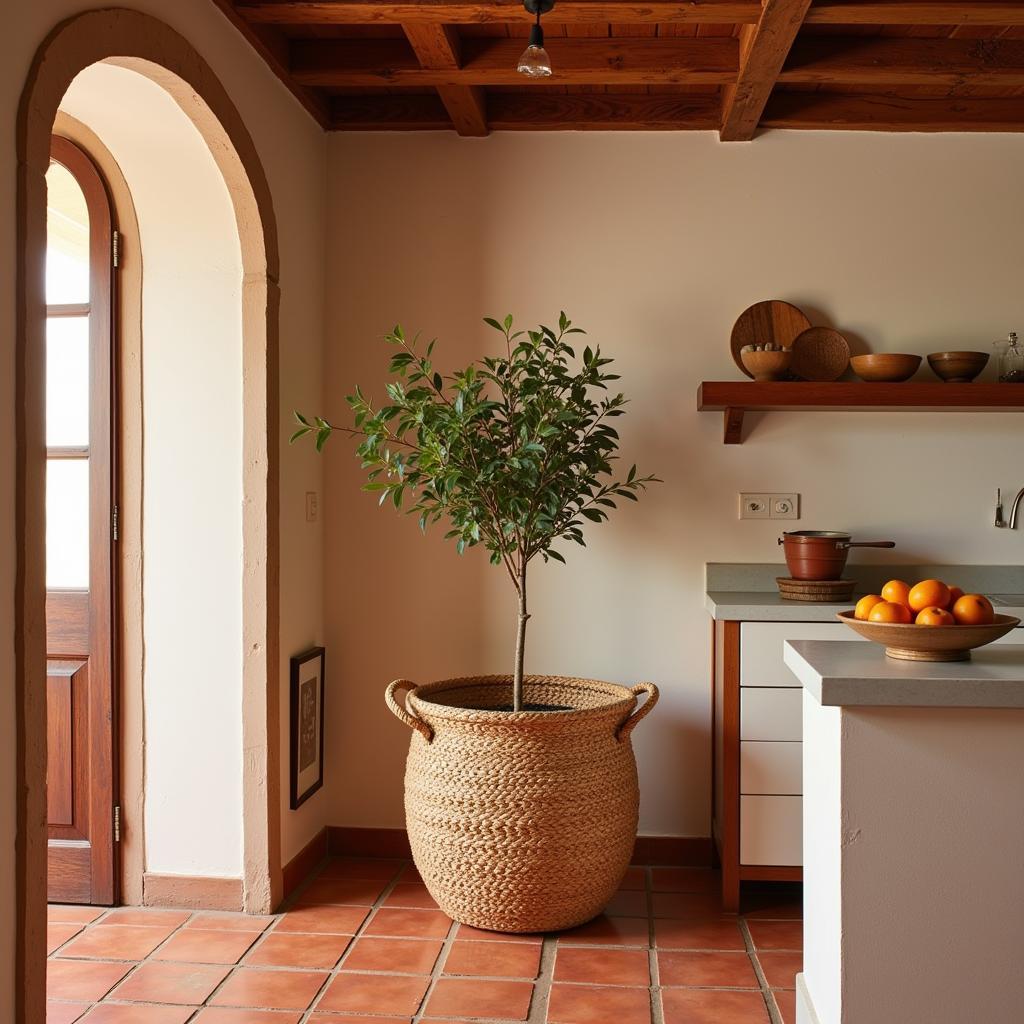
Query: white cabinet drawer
x=761, y=643
x=771, y=768
x=771, y=830
x=771, y=713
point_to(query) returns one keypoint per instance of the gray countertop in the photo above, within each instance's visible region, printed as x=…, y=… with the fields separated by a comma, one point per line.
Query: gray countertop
x=769, y=606
x=851, y=674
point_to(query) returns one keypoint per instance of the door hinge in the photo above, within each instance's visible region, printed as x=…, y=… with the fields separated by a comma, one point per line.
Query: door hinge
x=117, y=823
x=115, y=516
x=115, y=249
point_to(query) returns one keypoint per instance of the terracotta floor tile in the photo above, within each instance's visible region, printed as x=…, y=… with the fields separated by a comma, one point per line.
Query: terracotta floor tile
x=401, y=956
x=777, y=934
x=465, y=931
x=211, y=921
x=685, y=880
x=358, y=892
x=137, y=1013
x=58, y=932
x=785, y=1002
x=326, y=920
x=708, y=970
x=723, y=933
x=780, y=969
x=634, y=878
x=472, y=997
x=493, y=959
x=410, y=874
x=708, y=1006
x=362, y=867
x=593, y=1004
x=115, y=942
x=627, y=903
x=784, y=906
x=609, y=931
x=64, y=1013
x=88, y=981
x=72, y=915
x=270, y=990
x=686, y=904
x=206, y=947
x=230, y=1015
x=374, y=993
x=602, y=966
x=298, y=949
x=410, y=894
x=410, y=924
x=333, y=1018
x=148, y=917
x=182, y=984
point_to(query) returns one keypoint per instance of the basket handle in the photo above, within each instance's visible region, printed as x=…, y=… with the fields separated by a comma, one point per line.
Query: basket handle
x=645, y=709
x=401, y=713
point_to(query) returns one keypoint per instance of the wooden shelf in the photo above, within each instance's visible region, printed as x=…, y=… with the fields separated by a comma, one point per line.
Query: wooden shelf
x=735, y=398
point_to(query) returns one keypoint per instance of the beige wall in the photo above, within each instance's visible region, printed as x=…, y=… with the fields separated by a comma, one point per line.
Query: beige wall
x=291, y=148
x=655, y=243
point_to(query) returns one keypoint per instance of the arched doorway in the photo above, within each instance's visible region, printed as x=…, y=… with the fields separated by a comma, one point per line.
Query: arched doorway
x=150, y=48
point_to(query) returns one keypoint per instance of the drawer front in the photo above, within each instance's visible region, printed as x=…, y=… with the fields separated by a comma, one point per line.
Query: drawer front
x=761, y=643
x=771, y=768
x=771, y=713
x=771, y=830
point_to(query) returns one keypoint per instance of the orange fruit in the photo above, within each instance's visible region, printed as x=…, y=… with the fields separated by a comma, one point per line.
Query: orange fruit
x=865, y=604
x=928, y=594
x=973, y=610
x=934, y=616
x=889, y=611
x=955, y=593
x=896, y=592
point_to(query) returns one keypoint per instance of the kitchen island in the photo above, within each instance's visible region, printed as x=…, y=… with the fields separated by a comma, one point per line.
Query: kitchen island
x=913, y=836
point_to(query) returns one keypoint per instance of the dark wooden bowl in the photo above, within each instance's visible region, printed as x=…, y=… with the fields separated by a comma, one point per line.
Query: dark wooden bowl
x=957, y=367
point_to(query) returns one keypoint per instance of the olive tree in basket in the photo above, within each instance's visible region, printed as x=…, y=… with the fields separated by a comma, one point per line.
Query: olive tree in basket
x=515, y=453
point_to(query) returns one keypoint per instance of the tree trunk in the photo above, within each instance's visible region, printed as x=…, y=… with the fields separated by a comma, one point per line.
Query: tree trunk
x=517, y=680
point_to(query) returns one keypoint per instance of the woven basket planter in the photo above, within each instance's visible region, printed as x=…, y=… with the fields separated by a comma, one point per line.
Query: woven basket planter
x=521, y=822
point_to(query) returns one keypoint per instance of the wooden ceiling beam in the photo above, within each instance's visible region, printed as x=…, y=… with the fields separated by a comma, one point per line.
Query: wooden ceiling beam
x=763, y=51
x=437, y=48
x=916, y=12
x=881, y=113
x=456, y=12
x=368, y=63
x=867, y=61
x=533, y=112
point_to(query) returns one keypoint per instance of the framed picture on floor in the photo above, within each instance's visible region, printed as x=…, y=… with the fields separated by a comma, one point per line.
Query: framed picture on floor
x=307, y=725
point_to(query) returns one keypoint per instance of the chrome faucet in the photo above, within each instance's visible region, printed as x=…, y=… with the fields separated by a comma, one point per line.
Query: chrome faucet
x=1014, y=509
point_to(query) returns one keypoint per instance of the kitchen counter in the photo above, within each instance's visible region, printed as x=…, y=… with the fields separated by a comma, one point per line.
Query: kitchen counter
x=913, y=827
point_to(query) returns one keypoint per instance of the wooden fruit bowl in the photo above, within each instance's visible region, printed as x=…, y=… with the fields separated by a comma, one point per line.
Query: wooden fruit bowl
x=929, y=643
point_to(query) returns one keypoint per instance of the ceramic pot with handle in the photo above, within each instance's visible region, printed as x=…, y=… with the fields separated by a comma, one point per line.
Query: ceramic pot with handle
x=821, y=554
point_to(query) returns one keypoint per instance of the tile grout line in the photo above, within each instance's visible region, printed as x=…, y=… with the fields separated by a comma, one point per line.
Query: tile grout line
x=657, y=1009
x=766, y=994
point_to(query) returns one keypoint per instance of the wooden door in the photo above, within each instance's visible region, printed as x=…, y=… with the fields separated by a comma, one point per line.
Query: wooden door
x=80, y=532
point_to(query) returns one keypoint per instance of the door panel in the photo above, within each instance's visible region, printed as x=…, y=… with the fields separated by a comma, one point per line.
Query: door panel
x=81, y=709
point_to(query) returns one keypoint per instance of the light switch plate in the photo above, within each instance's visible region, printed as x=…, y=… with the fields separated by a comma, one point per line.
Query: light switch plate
x=758, y=505
x=785, y=506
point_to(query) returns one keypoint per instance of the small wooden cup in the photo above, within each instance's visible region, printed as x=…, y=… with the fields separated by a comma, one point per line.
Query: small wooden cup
x=770, y=365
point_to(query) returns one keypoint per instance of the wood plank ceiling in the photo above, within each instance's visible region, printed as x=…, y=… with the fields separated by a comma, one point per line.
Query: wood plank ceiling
x=736, y=66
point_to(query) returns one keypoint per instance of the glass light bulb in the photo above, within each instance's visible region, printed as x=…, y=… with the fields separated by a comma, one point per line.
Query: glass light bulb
x=534, y=62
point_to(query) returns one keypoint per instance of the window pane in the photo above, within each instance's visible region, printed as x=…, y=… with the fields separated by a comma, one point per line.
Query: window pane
x=67, y=523
x=67, y=239
x=67, y=381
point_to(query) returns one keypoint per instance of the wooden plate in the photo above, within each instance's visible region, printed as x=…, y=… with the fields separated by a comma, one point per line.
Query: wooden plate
x=772, y=321
x=820, y=354
x=930, y=643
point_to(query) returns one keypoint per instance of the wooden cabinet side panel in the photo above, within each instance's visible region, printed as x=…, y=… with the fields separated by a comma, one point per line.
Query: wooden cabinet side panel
x=727, y=747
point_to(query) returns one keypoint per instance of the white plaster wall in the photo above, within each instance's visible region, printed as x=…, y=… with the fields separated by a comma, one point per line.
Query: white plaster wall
x=292, y=150
x=655, y=243
x=192, y=468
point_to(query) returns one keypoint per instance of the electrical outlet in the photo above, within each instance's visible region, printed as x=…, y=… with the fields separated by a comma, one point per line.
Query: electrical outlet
x=755, y=506
x=312, y=507
x=785, y=506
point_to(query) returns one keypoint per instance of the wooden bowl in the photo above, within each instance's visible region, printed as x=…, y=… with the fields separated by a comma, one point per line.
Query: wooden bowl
x=772, y=365
x=888, y=367
x=930, y=643
x=957, y=367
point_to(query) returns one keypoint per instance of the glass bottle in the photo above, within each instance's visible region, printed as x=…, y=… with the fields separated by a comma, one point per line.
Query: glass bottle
x=1010, y=356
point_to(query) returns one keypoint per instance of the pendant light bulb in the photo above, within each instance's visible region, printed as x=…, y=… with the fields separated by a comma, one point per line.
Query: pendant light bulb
x=535, y=61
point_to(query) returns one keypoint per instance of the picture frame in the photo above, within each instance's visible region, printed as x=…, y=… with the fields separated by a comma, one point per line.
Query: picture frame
x=306, y=732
